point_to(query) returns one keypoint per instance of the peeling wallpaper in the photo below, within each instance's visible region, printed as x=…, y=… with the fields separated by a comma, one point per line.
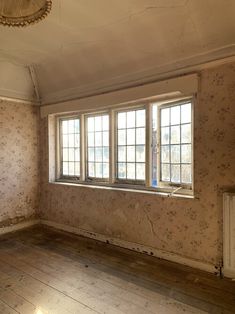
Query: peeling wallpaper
x=188, y=227
x=19, y=161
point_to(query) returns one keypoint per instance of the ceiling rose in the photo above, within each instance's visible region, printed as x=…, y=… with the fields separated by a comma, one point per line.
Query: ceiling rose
x=20, y=13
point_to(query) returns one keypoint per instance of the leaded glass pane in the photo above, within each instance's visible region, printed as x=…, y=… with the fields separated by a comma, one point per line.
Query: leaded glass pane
x=70, y=147
x=98, y=146
x=175, y=143
x=131, y=145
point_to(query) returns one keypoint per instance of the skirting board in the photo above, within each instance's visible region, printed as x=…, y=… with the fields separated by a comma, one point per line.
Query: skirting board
x=134, y=246
x=19, y=226
x=229, y=273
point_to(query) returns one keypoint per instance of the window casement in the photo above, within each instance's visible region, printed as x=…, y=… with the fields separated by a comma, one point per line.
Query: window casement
x=70, y=147
x=97, y=147
x=145, y=146
x=176, y=144
x=130, y=145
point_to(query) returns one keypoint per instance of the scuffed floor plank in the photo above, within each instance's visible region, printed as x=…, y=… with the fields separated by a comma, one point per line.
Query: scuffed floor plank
x=45, y=271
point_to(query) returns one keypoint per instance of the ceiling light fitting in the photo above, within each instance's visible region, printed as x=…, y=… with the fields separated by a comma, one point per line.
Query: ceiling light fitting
x=21, y=13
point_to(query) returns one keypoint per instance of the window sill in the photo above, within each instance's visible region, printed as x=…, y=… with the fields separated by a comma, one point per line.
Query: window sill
x=164, y=192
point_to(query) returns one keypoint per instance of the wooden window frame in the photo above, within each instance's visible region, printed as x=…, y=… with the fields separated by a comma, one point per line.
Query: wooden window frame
x=163, y=184
x=85, y=144
x=59, y=148
x=128, y=181
x=113, y=181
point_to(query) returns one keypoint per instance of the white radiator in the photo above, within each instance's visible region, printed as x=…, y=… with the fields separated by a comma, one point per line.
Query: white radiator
x=229, y=234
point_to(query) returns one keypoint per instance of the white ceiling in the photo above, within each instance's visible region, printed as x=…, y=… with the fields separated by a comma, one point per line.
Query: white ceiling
x=84, y=46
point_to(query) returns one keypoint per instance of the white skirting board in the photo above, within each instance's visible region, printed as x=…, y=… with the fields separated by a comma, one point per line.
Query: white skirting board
x=134, y=246
x=229, y=234
x=229, y=273
x=19, y=226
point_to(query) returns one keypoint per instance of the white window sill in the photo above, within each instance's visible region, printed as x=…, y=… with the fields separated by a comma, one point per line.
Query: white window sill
x=164, y=192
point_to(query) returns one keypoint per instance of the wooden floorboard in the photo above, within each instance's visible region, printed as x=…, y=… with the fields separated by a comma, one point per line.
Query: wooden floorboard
x=46, y=271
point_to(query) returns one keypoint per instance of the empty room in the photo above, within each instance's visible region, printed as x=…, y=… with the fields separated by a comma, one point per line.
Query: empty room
x=117, y=156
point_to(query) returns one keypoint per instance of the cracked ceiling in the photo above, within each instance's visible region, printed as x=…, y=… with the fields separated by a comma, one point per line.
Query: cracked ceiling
x=84, y=47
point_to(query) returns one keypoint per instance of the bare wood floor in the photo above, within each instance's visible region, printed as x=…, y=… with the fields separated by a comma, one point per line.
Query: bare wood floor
x=45, y=271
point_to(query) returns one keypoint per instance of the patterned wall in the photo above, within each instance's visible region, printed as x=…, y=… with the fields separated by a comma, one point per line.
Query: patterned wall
x=189, y=227
x=19, y=161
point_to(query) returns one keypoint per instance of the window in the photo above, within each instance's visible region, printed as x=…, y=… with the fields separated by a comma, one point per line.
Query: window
x=176, y=144
x=98, y=147
x=148, y=146
x=70, y=147
x=131, y=145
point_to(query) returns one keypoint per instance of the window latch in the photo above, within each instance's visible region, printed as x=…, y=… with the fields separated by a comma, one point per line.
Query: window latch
x=175, y=190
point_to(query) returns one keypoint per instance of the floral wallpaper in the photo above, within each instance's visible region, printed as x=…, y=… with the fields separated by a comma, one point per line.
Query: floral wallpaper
x=19, y=162
x=188, y=227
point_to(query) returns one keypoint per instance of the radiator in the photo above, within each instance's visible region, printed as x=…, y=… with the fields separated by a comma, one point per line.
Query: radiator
x=229, y=234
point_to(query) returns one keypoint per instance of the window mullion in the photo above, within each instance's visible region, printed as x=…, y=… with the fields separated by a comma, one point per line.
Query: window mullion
x=158, y=147
x=192, y=142
x=170, y=146
x=58, y=149
x=83, y=141
x=148, y=149
x=112, y=147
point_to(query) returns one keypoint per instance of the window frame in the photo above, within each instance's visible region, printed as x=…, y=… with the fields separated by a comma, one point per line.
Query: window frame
x=85, y=161
x=186, y=186
x=128, y=181
x=59, y=148
x=114, y=182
